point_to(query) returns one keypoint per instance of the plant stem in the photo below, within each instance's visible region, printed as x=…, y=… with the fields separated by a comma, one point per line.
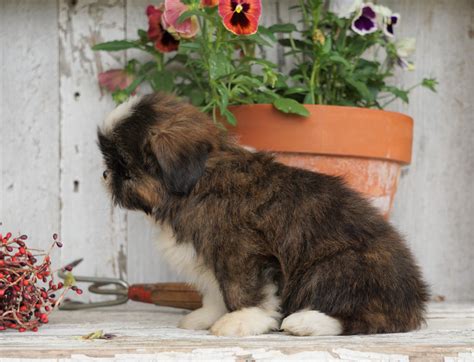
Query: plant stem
x=206, y=51
x=305, y=14
x=395, y=97
x=314, y=81
x=159, y=62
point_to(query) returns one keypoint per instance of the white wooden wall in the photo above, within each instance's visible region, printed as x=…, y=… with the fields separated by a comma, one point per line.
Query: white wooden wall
x=50, y=105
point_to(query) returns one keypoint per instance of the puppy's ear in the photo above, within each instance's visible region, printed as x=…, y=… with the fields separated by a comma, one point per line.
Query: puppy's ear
x=181, y=159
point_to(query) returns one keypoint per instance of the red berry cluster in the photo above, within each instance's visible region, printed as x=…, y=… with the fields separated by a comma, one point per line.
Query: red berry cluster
x=28, y=292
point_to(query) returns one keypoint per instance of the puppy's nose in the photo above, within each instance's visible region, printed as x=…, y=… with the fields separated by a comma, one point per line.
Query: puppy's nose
x=105, y=174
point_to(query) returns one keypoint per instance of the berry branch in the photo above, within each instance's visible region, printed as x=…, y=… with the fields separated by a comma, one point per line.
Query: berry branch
x=28, y=292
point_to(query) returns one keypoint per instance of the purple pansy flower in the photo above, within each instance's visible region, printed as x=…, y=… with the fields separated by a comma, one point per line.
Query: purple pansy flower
x=366, y=21
x=387, y=19
x=389, y=23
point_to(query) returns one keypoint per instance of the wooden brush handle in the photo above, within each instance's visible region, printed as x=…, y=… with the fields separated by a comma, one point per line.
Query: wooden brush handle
x=178, y=295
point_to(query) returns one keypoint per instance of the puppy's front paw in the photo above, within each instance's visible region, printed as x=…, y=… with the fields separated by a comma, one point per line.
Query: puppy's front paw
x=311, y=323
x=201, y=318
x=244, y=322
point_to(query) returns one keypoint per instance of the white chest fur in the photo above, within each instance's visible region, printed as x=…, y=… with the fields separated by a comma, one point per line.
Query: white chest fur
x=184, y=260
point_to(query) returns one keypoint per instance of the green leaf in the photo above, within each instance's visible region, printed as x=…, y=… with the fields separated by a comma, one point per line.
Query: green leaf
x=296, y=90
x=399, y=93
x=94, y=335
x=230, y=117
x=288, y=105
x=266, y=32
x=430, y=83
x=224, y=97
x=115, y=45
x=187, y=46
x=136, y=82
x=309, y=98
x=282, y=28
x=162, y=81
x=197, y=97
x=145, y=68
x=262, y=62
x=361, y=88
x=253, y=82
x=143, y=35
x=187, y=14
x=219, y=65
x=258, y=39
x=336, y=58
x=327, y=46
x=119, y=96
x=299, y=44
x=99, y=334
x=131, y=66
x=69, y=280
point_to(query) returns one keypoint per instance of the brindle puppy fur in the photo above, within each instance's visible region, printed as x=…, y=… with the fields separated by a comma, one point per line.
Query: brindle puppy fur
x=254, y=221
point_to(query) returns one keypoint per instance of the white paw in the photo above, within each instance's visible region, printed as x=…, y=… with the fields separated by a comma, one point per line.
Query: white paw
x=201, y=318
x=245, y=322
x=311, y=323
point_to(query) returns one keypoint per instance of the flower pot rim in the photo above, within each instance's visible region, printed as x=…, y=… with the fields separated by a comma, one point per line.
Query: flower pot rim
x=328, y=130
x=328, y=106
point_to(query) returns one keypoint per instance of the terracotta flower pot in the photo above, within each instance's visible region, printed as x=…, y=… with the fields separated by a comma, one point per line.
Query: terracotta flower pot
x=366, y=147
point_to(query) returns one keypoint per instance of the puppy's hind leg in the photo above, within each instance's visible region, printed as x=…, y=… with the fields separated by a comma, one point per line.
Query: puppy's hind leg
x=311, y=323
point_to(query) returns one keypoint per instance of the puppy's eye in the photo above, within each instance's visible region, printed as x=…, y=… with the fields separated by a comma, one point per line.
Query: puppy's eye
x=105, y=174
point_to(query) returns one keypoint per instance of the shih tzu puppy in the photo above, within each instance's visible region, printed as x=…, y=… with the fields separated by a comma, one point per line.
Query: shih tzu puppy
x=269, y=246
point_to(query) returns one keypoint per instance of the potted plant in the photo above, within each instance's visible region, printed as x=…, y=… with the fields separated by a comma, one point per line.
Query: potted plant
x=205, y=52
x=325, y=115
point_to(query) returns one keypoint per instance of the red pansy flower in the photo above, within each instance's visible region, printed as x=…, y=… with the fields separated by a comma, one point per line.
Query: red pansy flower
x=163, y=40
x=173, y=10
x=115, y=79
x=240, y=17
x=209, y=3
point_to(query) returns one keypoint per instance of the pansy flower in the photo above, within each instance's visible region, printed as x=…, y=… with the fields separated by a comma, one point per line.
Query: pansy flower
x=387, y=19
x=115, y=79
x=344, y=8
x=405, y=47
x=173, y=10
x=210, y=3
x=389, y=23
x=163, y=40
x=240, y=17
x=366, y=21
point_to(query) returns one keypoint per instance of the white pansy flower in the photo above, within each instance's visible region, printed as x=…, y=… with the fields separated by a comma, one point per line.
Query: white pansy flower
x=382, y=10
x=387, y=19
x=405, y=47
x=344, y=8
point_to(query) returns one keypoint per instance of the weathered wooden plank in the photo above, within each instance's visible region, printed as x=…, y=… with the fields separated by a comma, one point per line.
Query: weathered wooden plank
x=2, y=103
x=29, y=133
x=435, y=202
x=144, y=262
x=149, y=332
x=90, y=227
